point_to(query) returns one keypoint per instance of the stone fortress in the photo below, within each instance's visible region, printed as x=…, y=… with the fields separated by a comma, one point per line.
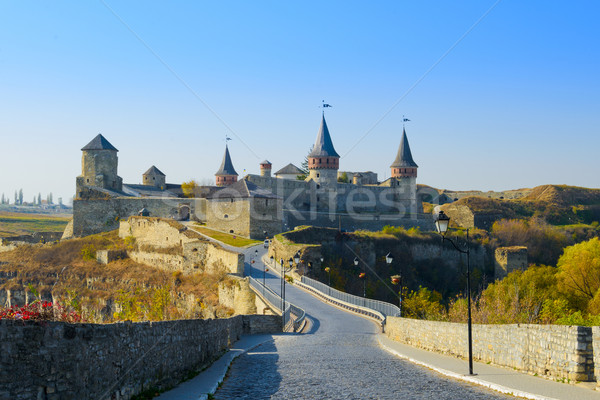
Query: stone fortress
x=256, y=206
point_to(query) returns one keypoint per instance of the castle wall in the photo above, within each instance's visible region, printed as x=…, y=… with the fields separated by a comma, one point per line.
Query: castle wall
x=368, y=177
x=266, y=215
x=357, y=206
x=229, y=215
x=343, y=197
x=102, y=215
x=371, y=222
x=56, y=360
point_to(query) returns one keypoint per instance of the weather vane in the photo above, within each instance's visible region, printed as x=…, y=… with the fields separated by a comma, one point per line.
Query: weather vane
x=324, y=106
x=227, y=138
x=404, y=120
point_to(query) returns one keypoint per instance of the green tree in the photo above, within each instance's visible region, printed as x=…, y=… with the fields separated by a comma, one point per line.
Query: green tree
x=343, y=178
x=518, y=298
x=579, y=274
x=304, y=167
x=423, y=304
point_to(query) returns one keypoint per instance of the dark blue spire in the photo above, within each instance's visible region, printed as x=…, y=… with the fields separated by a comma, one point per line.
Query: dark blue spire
x=226, y=165
x=404, y=157
x=323, y=146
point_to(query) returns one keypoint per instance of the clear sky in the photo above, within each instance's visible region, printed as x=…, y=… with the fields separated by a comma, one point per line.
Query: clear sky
x=500, y=94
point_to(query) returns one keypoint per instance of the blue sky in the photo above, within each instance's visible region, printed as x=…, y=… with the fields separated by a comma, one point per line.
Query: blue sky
x=512, y=99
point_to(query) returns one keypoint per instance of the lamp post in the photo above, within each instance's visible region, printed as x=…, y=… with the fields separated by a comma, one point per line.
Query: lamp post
x=266, y=269
x=396, y=279
x=363, y=276
x=441, y=224
x=283, y=272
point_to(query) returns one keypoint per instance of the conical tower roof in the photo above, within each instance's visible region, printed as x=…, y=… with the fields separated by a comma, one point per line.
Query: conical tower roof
x=323, y=145
x=226, y=165
x=99, y=143
x=154, y=171
x=404, y=157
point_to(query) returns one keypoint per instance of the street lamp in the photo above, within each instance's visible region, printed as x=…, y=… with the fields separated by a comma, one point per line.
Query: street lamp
x=283, y=272
x=363, y=276
x=396, y=279
x=441, y=224
x=265, y=269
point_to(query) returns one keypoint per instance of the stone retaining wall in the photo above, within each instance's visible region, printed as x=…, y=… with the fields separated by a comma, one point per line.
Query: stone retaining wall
x=555, y=351
x=54, y=360
x=191, y=252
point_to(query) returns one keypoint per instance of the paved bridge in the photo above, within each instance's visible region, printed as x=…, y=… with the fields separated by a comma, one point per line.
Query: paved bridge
x=338, y=358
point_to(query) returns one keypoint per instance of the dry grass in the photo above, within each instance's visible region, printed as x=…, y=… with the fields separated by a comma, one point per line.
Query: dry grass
x=61, y=268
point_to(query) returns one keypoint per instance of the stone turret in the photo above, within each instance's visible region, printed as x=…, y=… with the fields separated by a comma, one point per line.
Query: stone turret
x=99, y=164
x=265, y=168
x=226, y=174
x=323, y=160
x=404, y=165
x=154, y=177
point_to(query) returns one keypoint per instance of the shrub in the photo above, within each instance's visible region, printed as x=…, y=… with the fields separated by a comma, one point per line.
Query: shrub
x=88, y=252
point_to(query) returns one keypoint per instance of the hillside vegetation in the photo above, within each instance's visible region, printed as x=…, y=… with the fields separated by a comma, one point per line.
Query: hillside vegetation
x=123, y=289
x=555, y=204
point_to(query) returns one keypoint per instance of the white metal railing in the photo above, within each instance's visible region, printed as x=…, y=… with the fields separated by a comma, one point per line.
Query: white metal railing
x=387, y=309
x=275, y=301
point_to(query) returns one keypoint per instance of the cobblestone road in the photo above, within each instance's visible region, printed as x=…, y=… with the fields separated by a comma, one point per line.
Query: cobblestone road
x=337, y=359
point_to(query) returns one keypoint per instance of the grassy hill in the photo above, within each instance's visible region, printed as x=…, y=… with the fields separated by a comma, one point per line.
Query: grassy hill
x=555, y=204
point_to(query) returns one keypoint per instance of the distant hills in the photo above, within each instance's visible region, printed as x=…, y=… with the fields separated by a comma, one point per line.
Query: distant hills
x=555, y=204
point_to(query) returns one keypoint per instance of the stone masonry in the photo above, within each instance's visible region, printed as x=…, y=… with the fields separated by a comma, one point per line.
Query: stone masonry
x=509, y=259
x=553, y=351
x=183, y=249
x=60, y=361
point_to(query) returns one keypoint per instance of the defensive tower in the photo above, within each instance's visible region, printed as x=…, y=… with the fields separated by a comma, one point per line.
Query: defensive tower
x=154, y=177
x=265, y=168
x=404, y=165
x=323, y=160
x=226, y=175
x=99, y=164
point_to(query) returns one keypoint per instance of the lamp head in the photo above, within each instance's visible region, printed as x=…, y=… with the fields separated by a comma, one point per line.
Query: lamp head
x=297, y=258
x=389, y=258
x=355, y=260
x=291, y=261
x=441, y=222
x=271, y=258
